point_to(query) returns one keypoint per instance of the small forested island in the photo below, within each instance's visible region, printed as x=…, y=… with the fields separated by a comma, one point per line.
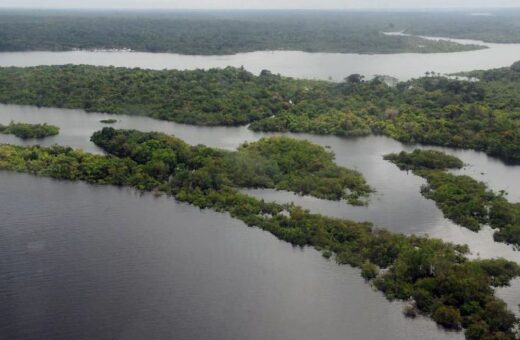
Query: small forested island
x=437, y=277
x=26, y=131
x=215, y=32
x=462, y=199
x=108, y=121
x=278, y=162
x=424, y=159
x=483, y=115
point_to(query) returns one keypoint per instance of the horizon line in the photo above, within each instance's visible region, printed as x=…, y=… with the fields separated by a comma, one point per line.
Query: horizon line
x=261, y=9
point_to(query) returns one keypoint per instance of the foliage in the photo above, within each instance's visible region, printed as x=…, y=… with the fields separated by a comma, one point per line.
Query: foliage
x=410, y=311
x=221, y=32
x=369, y=271
x=482, y=115
x=226, y=97
x=448, y=317
x=444, y=283
x=26, y=131
x=461, y=198
x=300, y=166
x=108, y=121
x=493, y=25
x=424, y=159
x=277, y=162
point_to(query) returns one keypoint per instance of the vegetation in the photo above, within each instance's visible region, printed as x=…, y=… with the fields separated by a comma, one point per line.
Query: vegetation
x=424, y=159
x=26, y=131
x=276, y=162
x=494, y=25
x=215, y=97
x=210, y=32
x=482, y=115
x=410, y=311
x=461, y=198
x=108, y=121
x=443, y=283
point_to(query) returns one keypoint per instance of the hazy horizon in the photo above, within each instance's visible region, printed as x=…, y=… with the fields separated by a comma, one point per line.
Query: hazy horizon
x=260, y=4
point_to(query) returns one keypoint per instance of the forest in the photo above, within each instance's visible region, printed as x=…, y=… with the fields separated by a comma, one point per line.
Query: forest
x=216, y=97
x=435, y=277
x=277, y=162
x=462, y=199
x=420, y=159
x=26, y=131
x=493, y=25
x=483, y=115
x=212, y=33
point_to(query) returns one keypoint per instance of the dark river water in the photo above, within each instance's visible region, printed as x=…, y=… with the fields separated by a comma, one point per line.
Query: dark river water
x=90, y=262
x=81, y=261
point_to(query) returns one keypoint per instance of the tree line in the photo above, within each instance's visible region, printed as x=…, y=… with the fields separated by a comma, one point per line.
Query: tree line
x=209, y=33
x=482, y=115
x=26, y=131
x=436, y=276
x=462, y=199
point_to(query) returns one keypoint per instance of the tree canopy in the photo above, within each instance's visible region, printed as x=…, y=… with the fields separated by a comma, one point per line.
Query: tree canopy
x=208, y=33
x=26, y=131
x=443, y=283
x=482, y=115
x=462, y=199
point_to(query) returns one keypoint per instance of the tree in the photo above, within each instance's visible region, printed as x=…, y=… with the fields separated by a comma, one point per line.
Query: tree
x=355, y=78
x=448, y=317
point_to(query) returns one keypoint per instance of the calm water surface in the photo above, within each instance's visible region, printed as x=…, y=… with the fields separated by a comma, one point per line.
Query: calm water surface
x=95, y=262
x=397, y=205
x=333, y=66
x=81, y=261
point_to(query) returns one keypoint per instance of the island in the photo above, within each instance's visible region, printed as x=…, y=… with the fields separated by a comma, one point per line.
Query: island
x=108, y=121
x=462, y=199
x=482, y=115
x=27, y=131
x=434, y=276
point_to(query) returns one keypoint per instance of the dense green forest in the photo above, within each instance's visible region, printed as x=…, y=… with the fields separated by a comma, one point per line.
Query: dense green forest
x=493, y=25
x=424, y=160
x=26, y=131
x=483, y=115
x=208, y=33
x=462, y=199
x=215, y=97
x=276, y=162
x=443, y=284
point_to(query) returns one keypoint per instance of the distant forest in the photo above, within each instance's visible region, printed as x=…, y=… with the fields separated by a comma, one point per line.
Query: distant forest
x=219, y=33
x=481, y=115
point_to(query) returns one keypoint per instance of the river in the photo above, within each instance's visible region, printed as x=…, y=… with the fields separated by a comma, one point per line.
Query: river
x=49, y=208
x=81, y=261
x=324, y=66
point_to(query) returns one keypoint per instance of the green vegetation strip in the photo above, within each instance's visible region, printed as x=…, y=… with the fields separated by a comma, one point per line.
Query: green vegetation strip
x=108, y=121
x=443, y=284
x=210, y=33
x=462, y=199
x=26, y=131
x=482, y=115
